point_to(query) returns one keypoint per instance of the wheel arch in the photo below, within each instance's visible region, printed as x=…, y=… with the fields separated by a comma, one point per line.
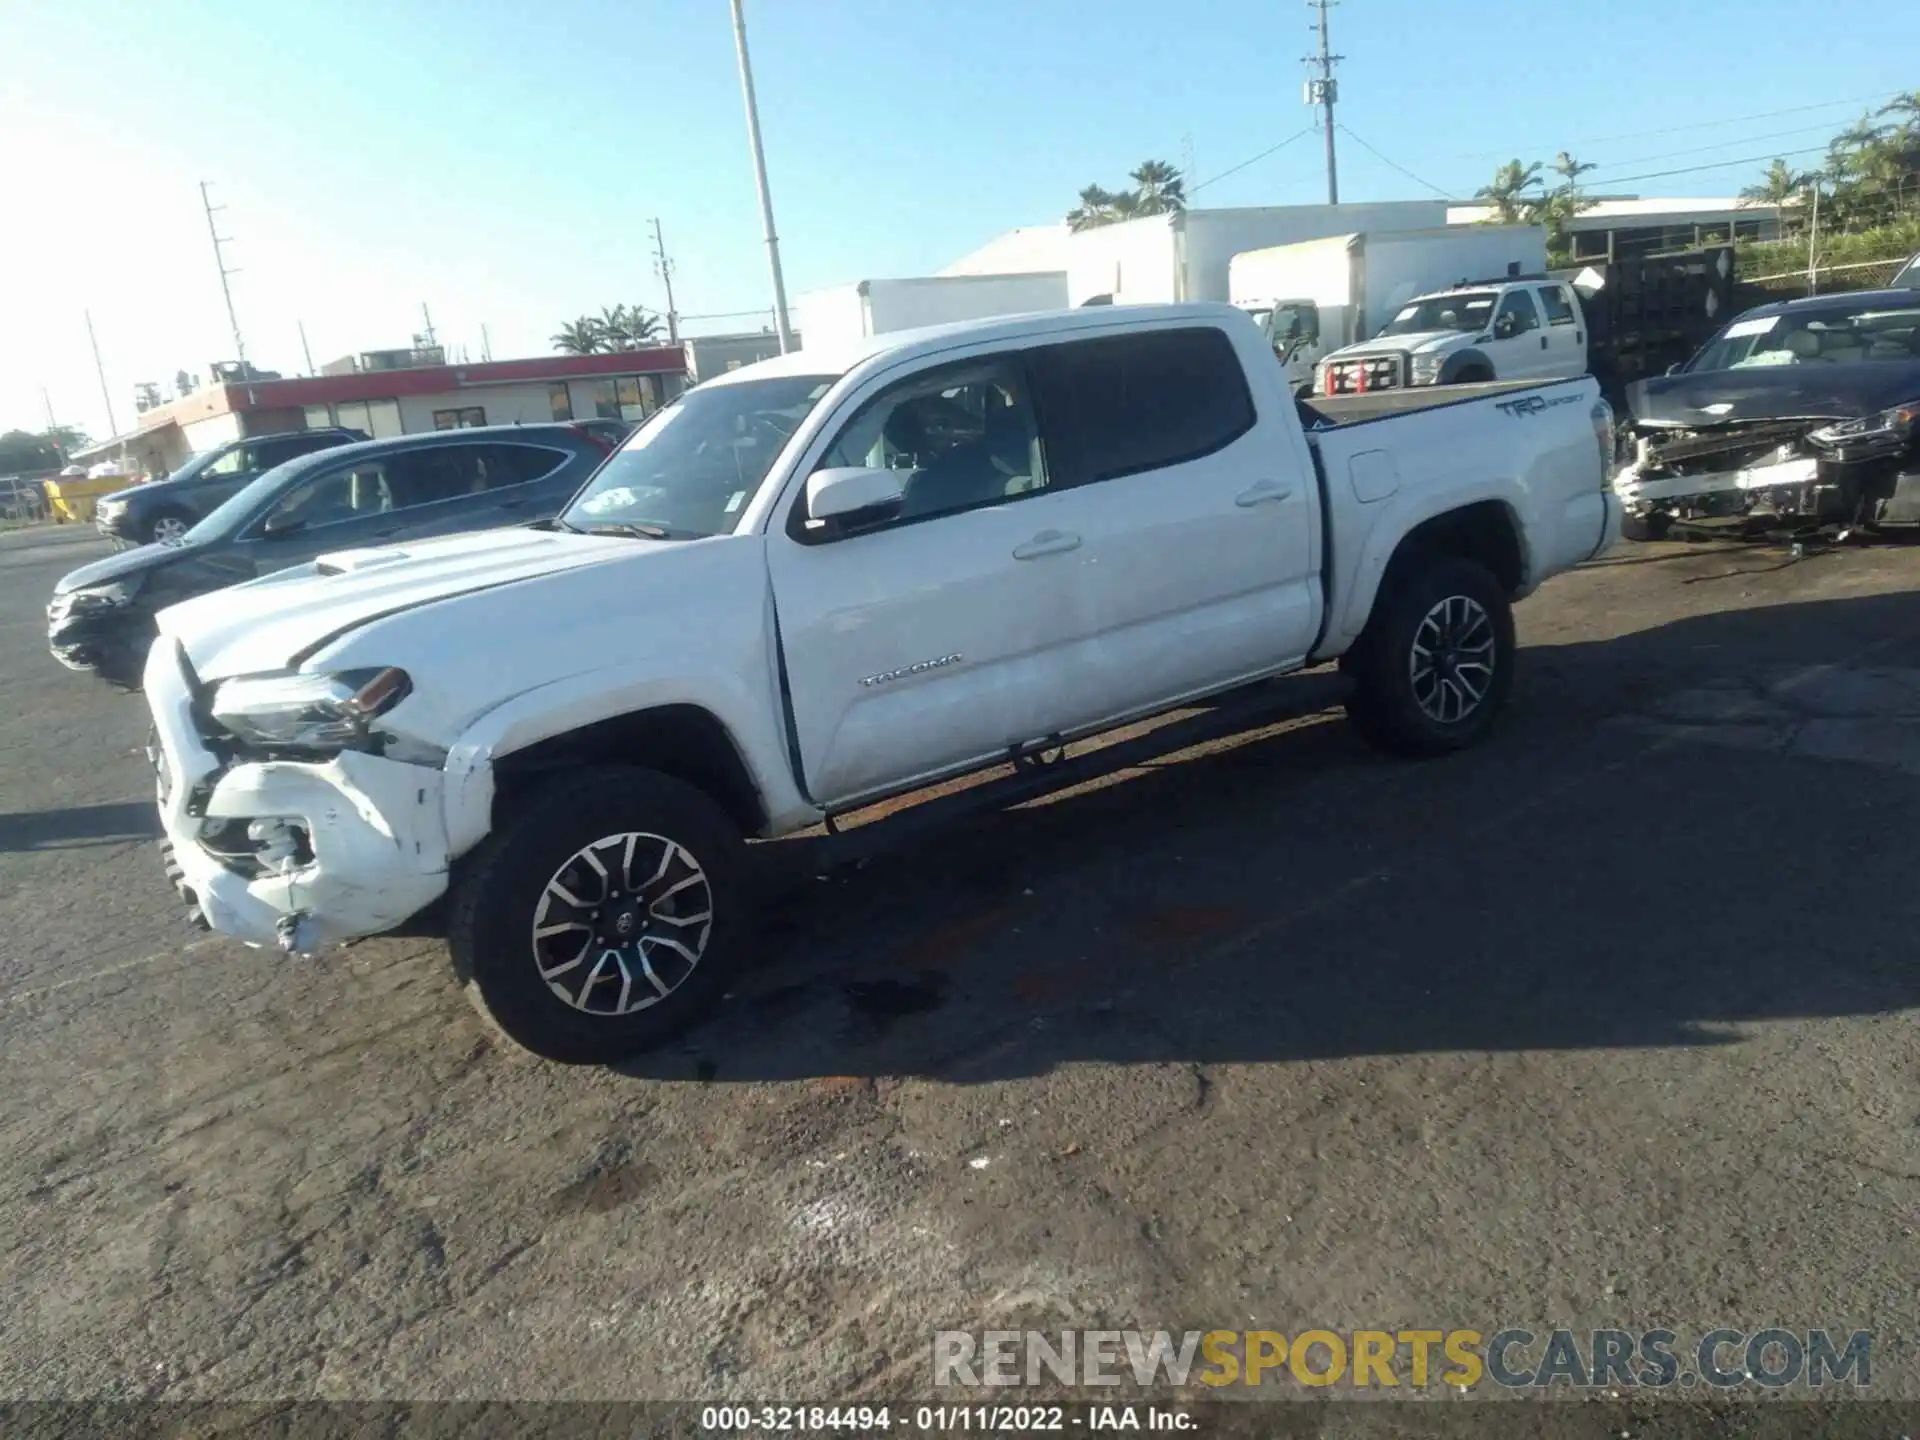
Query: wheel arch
x=681, y=739
x=1486, y=529
x=1461, y=360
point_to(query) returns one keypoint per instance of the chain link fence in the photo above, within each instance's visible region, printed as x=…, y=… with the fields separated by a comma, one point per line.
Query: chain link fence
x=1823, y=280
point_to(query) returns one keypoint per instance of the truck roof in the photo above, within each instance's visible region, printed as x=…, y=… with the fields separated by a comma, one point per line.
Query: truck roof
x=838, y=358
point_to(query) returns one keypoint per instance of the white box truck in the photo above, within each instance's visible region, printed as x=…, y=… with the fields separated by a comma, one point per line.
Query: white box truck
x=877, y=307
x=1161, y=259
x=1315, y=296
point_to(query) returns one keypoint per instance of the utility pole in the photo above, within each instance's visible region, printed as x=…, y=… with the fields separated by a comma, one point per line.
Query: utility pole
x=663, y=267
x=47, y=401
x=1323, y=90
x=106, y=398
x=486, y=345
x=760, y=179
x=220, y=259
x=1813, y=242
x=303, y=346
x=424, y=315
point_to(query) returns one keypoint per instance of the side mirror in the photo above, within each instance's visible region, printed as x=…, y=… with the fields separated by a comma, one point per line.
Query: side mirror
x=1673, y=369
x=279, y=525
x=847, y=492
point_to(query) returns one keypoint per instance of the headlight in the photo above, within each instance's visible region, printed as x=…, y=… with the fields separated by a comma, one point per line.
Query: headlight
x=1896, y=423
x=95, y=598
x=1426, y=369
x=110, y=505
x=308, y=712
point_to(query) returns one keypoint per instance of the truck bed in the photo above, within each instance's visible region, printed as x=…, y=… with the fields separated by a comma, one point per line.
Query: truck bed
x=1321, y=412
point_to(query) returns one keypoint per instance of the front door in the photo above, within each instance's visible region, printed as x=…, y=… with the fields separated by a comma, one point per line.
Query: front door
x=937, y=634
x=1520, y=348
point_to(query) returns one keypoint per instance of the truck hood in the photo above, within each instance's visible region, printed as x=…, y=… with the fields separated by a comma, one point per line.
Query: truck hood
x=1416, y=342
x=274, y=623
x=1774, y=392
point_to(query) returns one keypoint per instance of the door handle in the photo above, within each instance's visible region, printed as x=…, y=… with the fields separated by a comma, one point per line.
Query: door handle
x=1265, y=493
x=1047, y=542
x=1543, y=342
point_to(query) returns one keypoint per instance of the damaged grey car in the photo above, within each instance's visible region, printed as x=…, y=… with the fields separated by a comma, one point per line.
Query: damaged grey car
x=1800, y=415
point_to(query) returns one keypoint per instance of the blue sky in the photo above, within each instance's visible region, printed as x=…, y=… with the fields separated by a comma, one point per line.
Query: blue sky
x=501, y=161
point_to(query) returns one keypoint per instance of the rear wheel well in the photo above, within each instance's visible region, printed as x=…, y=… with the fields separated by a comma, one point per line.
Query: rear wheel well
x=683, y=741
x=1483, y=533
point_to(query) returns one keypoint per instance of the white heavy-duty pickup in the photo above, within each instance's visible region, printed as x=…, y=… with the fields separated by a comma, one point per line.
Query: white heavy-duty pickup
x=822, y=580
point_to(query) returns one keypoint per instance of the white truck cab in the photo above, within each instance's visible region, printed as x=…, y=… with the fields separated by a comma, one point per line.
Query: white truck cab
x=807, y=584
x=1292, y=328
x=1526, y=328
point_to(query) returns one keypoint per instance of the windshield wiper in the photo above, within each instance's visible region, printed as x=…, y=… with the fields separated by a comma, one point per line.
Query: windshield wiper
x=633, y=528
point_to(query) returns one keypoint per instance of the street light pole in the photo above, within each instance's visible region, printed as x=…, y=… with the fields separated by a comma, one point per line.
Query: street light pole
x=760, y=179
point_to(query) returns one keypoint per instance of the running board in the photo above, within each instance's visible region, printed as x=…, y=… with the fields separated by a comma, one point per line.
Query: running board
x=1266, y=702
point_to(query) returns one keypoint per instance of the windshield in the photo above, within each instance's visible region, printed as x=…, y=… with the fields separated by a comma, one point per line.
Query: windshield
x=224, y=519
x=1840, y=334
x=692, y=468
x=1464, y=311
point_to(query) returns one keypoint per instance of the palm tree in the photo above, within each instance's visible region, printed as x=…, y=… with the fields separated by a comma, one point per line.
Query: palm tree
x=637, y=328
x=580, y=337
x=1506, y=196
x=1095, y=209
x=1159, y=187
x=1777, y=186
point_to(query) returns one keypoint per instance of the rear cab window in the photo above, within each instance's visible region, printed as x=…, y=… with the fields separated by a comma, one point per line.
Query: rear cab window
x=1122, y=404
x=1557, y=305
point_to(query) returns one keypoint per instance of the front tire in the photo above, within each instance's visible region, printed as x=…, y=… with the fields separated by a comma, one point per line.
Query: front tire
x=603, y=917
x=168, y=527
x=1433, y=668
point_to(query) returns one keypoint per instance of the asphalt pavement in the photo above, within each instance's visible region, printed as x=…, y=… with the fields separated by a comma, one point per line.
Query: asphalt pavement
x=1608, y=1022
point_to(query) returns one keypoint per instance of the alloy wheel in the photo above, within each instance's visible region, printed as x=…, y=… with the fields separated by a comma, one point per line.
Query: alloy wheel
x=622, y=924
x=1451, y=664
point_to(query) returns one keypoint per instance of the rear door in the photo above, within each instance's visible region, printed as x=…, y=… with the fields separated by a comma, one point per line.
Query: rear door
x=1193, y=500
x=1566, y=332
x=526, y=481
x=342, y=507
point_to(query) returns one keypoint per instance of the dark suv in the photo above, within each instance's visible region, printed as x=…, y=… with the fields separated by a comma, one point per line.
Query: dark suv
x=353, y=497
x=167, y=509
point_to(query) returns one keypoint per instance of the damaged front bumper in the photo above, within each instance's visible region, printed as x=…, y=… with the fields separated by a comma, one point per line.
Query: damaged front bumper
x=296, y=854
x=1695, y=476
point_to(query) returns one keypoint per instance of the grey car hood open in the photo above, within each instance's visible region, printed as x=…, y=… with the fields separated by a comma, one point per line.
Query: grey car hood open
x=1705, y=398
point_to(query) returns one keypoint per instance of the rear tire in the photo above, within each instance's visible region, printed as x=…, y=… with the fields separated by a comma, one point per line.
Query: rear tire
x=602, y=917
x=1654, y=525
x=1434, y=665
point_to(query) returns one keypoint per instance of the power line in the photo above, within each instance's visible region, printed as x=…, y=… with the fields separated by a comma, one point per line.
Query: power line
x=1443, y=194
x=1717, y=165
x=1696, y=125
x=1271, y=150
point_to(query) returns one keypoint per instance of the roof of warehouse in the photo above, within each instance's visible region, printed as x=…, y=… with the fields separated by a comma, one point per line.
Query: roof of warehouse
x=421, y=380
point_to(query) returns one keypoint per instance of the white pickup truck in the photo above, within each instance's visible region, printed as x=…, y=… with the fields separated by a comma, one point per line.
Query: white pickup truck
x=1532, y=328
x=824, y=579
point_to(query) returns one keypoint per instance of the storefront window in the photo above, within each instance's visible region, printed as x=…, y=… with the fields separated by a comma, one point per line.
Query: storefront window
x=383, y=419
x=464, y=418
x=594, y=400
x=557, y=399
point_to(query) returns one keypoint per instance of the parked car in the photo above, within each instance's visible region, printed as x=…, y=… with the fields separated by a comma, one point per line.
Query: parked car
x=161, y=511
x=101, y=618
x=1802, y=412
x=782, y=600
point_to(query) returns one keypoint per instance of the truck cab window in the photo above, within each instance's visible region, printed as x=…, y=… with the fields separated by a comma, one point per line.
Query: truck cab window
x=1516, y=316
x=963, y=434
x=1553, y=299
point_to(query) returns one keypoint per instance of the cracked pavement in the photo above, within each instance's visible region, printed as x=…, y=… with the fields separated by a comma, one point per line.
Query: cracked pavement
x=1609, y=1022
